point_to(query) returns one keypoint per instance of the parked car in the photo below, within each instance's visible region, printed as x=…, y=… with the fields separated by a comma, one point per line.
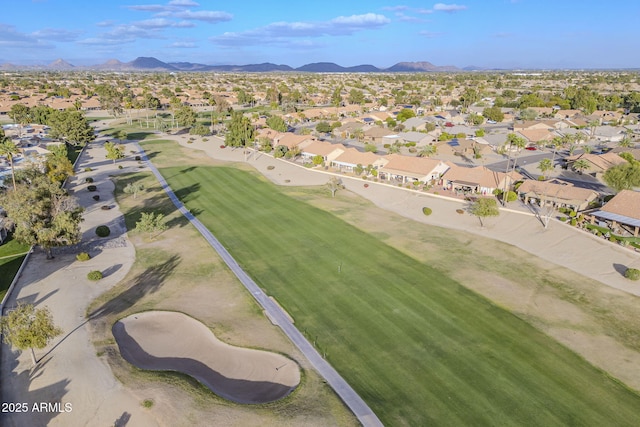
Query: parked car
x=531, y=148
x=449, y=124
x=491, y=122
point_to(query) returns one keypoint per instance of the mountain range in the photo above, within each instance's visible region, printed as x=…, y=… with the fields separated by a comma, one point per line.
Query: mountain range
x=154, y=64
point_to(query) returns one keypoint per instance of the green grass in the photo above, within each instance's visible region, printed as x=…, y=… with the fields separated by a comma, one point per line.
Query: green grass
x=420, y=348
x=11, y=255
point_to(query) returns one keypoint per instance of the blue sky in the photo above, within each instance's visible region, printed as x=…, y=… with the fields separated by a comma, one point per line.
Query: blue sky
x=487, y=33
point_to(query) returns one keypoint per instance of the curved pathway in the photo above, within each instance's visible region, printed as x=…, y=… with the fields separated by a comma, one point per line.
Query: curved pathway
x=357, y=405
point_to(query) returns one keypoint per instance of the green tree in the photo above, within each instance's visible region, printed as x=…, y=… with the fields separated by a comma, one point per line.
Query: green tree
x=21, y=114
x=475, y=119
x=469, y=97
x=8, y=150
x=626, y=143
x=581, y=165
x=519, y=143
x=26, y=327
x=114, y=151
x=110, y=99
x=427, y=151
x=240, y=131
x=493, y=113
x=185, y=116
x=405, y=114
x=484, y=207
x=133, y=188
x=336, y=97
x=71, y=126
x=43, y=213
x=151, y=222
x=545, y=165
x=528, y=114
x=623, y=177
x=323, y=127
x=317, y=160
x=277, y=123
x=58, y=166
x=356, y=96
x=370, y=148
x=394, y=148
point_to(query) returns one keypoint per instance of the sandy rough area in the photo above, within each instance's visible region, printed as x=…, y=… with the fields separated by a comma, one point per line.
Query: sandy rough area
x=164, y=340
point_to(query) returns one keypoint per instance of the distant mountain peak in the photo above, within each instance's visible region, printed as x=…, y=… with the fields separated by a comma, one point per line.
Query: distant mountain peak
x=150, y=63
x=60, y=64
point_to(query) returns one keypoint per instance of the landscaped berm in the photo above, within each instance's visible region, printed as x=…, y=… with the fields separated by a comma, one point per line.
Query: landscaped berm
x=170, y=341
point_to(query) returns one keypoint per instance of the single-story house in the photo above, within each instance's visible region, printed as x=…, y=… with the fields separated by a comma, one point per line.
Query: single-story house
x=598, y=163
x=291, y=140
x=350, y=158
x=478, y=179
x=408, y=169
x=623, y=210
x=557, y=193
x=327, y=150
x=375, y=134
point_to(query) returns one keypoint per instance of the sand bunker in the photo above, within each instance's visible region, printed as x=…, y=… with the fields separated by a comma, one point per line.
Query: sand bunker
x=169, y=341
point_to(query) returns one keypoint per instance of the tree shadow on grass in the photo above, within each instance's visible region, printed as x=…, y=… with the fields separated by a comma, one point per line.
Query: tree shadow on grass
x=147, y=282
x=189, y=193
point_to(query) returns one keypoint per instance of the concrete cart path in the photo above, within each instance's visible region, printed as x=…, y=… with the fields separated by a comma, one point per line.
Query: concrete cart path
x=74, y=383
x=357, y=405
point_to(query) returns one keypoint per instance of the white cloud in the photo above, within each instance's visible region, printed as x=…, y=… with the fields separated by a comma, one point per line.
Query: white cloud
x=449, y=8
x=280, y=32
x=183, y=3
x=210, y=16
x=11, y=38
x=183, y=45
x=430, y=34
x=398, y=8
x=56, y=34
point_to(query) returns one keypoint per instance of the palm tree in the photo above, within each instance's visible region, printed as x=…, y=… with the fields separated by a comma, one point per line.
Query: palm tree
x=581, y=165
x=518, y=142
x=626, y=142
x=587, y=149
x=427, y=151
x=9, y=149
x=545, y=166
x=394, y=148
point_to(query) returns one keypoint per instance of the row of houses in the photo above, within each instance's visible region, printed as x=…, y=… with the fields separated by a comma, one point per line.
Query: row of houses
x=397, y=168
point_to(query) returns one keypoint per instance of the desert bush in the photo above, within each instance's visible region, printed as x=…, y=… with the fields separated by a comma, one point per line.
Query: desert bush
x=120, y=167
x=460, y=211
x=366, y=185
x=94, y=275
x=512, y=196
x=88, y=179
x=92, y=188
x=632, y=274
x=88, y=169
x=613, y=239
x=83, y=256
x=103, y=231
x=574, y=222
x=270, y=167
x=427, y=211
x=223, y=146
x=572, y=214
